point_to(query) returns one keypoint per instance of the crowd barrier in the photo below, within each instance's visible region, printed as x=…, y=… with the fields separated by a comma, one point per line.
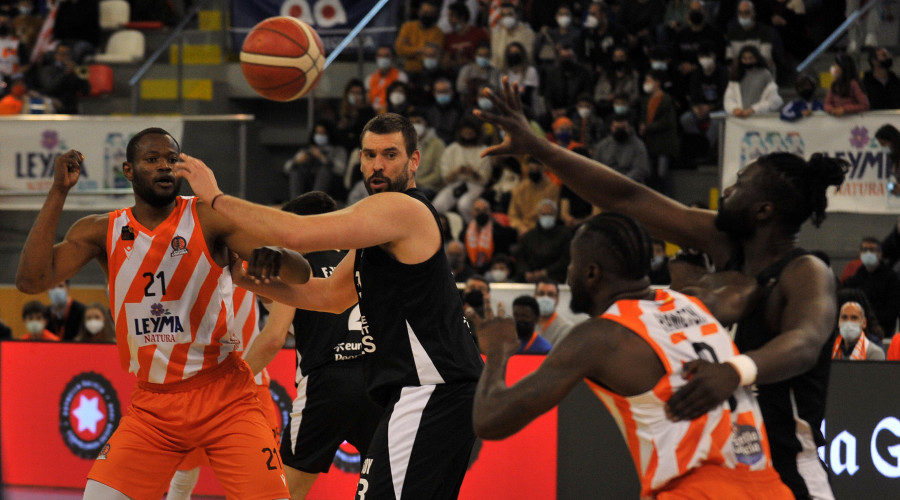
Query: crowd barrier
x=60, y=401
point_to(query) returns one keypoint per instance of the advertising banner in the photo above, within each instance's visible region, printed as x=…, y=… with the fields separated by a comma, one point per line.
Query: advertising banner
x=852, y=137
x=28, y=149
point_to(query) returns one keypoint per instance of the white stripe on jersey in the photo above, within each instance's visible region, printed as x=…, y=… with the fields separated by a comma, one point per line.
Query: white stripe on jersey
x=425, y=368
x=808, y=465
x=297, y=408
x=402, y=430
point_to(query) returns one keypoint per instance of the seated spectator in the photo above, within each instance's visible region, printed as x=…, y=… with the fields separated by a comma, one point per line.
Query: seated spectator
x=751, y=88
x=518, y=70
x=673, y=21
x=624, y=151
x=525, y=314
x=445, y=113
x=319, y=165
x=484, y=237
x=354, y=113
x=97, y=325
x=475, y=74
x=697, y=34
x=747, y=30
x=659, y=129
x=78, y=24
x=549, y=39
x=459, y=266
x=510, y=30
x=587, y=126
x=461, y=42
x=378, y=81
x=852, y=344
x=700, y=135
x=845, y=94
x=421, y=89
x=573, y=209
x=523, y=202
x=415, y=33
x=672, y=81
x=551, y=325
x=464, y=171
x=477, y=306
x=428, y=176
x=872, y=330
x=565, y=80
x=543, y=252
x=880, y=84
x=12, y=54
x=507, y=175
x=598, y=37
x=563, y=133
x=879, y=282
x=708, y=82
x=618, y=79
x=888, y=138
x=34, y=315
x=659, y=264
x=60, y=81
x=806, y=101
x=65, y=313
x=640, y=19
x=398, y=100
x=500, y=269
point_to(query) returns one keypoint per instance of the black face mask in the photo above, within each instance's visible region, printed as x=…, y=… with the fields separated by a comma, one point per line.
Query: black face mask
x=427, y=21
x=535, y=176
x=567, y=64
x=514, y=58
x=695, y=17
x=806, y=94
x=524, y=330
x=887, y=63
x=482, y=219
x=620, y=135
x=747, y=67
x=4, y=30
x=620, y=66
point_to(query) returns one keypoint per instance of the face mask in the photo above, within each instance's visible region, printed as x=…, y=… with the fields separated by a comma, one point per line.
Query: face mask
x=745, y=22
x=427, y=20
x=535, y=176
x=514, y=58
x=34, y=326
x=806, y=94
x=620, y=66
x=659, y=65
x=93, y=325
x=546, y=305
x=869, y=259
x=58, y=296
x=351, y=99
x=498, y=275
x=649, y=88
x=591, y=22
x=564, y=137
x=482, y=62
x=835, y=71
x=482, y=218
x=563, y=21
x=485, y=103
x=885, y=150
x=383, y=62
x=695, y=17
x=508, y=22
x=442, y=99
x=748, y=67
x=547, y=221
x=24, y=11
x=584, y=112
x=656, y=262
x=430, y=62
x=707, y=63
x=620, y=109
x=887, y=63
x=397, y=98
x=4, y=30
x=620, y=135
x=420, y=129
x=455, y=261
x=850, y=331
x=524, y=330
x=320, y=139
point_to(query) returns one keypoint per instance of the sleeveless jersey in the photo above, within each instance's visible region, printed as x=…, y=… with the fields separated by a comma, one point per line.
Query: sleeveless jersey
x=793, y=408
x=172, y=304
x=414, y=314
x=680, y=329
x=321, y=337
x=246, y=318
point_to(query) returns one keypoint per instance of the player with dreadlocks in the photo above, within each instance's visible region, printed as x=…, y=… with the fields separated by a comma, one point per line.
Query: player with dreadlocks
x=785, y=340
x=631, y=354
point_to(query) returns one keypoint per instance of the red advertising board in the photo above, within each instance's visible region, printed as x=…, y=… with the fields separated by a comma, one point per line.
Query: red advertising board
x=62, y=400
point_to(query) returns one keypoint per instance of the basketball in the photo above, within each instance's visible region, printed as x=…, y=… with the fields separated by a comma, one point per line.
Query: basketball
x=282, y=58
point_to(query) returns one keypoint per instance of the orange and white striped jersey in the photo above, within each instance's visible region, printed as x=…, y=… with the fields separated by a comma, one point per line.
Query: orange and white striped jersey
x=171, y=302
x=680, y=329
x=246, y=317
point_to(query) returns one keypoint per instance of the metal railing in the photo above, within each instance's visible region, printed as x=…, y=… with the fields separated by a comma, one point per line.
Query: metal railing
x=852, y=18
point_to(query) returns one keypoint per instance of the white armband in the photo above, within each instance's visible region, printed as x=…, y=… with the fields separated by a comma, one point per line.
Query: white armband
x=746, y=368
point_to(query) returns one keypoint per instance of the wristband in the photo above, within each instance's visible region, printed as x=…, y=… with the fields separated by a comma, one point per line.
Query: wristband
x=212, y=202
x=746, y=368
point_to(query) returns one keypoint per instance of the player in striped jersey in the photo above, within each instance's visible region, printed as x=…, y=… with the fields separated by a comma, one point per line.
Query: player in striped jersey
x=170, y=289
x=631, y=353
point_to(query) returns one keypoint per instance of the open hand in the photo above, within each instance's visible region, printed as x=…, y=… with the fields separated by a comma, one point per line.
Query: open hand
x=497, y=337
x=200, y=177
x=507, y=114
x=709, y=384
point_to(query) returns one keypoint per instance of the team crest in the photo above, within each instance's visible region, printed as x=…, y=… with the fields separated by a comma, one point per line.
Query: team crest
x=88, y=414
x=179, y=246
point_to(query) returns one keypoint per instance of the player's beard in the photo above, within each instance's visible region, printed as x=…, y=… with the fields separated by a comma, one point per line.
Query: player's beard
x=734, y=223
x=396, y=185
x=145, y=191
x=581, y=298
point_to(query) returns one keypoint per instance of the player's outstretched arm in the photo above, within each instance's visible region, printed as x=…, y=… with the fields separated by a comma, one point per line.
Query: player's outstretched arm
x=271, y=338
x=42, y=264
x=808, y=314
x=601, y=185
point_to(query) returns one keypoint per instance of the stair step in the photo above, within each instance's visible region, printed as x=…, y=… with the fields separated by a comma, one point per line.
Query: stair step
x=197, y=54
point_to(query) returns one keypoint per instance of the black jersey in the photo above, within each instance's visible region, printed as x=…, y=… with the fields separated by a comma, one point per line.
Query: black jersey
x=414, y=313
x=800, y=397
x=322, y=337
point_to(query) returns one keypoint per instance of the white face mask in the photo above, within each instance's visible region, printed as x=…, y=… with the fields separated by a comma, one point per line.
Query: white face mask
x=649, y=88
x=397, y=98
x=563, y=21
x=745, y=22
x=591, y=22
x=485, y=103
x=383, y=62
x=320, y=139
x=547, y=221
x=707, y=63
x=659, y=65
x=93, y=325
x=34, y=326
x=546, y=305
x=584, y=112
x=835, y=71
x=868, y=259
x=498, y=275
x=430, y=62
x=656, y=262
x=58, y=296
x=850, y=331
x=420, y=129
x=508, y=22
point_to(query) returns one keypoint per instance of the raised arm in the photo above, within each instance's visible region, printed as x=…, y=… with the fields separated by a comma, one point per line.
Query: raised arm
x=42, y=264
x=603, y=186
x=271, y=338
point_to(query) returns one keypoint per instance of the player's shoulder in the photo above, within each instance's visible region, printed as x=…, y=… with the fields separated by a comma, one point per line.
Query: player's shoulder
x=91, y=224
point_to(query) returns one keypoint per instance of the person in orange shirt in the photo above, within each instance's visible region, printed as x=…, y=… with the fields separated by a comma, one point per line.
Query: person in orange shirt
x=34, y=315
x=415, y=34
x=170, y=288
x=379, y=80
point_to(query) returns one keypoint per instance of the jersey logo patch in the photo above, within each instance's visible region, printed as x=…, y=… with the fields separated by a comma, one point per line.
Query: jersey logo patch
x=747, y=444
x=179, y=246
x=127, y=233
